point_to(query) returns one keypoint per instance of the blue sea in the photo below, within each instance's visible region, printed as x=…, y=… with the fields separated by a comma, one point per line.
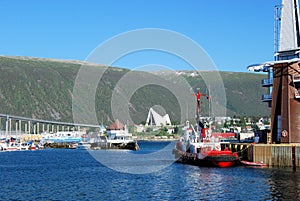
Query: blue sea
x=63, y=174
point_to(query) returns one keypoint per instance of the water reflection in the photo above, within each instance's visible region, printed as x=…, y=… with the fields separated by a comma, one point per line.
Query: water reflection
x=284, y=184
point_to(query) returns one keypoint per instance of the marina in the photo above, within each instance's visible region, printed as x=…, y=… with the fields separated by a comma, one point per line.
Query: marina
x=272, y=155
x=59, y=135
x=64, y=174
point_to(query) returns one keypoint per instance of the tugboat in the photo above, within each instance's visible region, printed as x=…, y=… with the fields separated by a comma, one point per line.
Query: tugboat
x=197, y=147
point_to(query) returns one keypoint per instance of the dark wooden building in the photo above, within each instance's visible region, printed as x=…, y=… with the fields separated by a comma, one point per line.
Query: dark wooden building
x=283, y=79
x=285, y=115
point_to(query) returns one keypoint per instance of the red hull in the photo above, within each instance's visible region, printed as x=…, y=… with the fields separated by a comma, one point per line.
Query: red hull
x=222, y=159
x=224, y=164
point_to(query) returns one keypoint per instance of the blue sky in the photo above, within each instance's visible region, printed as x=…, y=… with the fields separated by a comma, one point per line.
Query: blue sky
x=235, y=33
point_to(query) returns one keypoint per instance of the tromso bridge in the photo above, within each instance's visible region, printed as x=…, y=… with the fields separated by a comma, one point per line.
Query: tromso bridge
x=17, y=125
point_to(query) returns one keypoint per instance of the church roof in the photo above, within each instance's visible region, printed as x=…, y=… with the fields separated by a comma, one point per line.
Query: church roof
x=155, y=119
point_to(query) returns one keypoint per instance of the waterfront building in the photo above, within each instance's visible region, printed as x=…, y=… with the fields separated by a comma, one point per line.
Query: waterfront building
x=118, y=133
x=283, y=80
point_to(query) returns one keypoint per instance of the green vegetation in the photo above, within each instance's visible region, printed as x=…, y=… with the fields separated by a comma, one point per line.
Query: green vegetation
x=43, y=89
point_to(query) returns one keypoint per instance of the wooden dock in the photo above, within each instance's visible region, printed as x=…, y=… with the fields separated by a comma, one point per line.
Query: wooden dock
x=277, y=155
x=273, y=155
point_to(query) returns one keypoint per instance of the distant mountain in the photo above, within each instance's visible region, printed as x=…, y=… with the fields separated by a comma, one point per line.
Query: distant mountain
x=44, y=88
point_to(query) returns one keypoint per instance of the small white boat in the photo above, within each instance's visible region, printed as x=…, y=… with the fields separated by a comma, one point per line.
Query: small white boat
x=28, y=146
x=13, y=147
x=83, y=145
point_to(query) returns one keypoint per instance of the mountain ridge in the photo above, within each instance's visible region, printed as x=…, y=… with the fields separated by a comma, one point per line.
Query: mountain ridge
x=43, y=88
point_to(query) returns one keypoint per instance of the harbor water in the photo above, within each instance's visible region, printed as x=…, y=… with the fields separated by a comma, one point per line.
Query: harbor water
x=64, y=174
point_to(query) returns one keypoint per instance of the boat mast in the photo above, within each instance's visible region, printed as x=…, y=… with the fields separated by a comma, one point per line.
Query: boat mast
x=200, y=125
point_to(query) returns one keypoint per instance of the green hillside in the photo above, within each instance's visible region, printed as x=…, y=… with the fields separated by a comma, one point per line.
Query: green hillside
x=43, y=89
x=243, y=93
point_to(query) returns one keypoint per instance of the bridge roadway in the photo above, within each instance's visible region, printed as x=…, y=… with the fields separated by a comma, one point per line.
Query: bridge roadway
x=18, y=127
x=47, y=121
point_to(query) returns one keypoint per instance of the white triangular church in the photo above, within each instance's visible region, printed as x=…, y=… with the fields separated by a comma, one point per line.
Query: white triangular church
x=155, y=119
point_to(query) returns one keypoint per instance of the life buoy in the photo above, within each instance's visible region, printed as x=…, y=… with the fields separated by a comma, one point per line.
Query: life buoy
x=284, y=133
x=218, y=148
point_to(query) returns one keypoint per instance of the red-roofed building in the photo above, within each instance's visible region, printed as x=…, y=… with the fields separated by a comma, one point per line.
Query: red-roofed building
x=117, y=125
x=117, y=133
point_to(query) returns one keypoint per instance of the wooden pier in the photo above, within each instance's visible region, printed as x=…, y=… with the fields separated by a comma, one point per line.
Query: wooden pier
x=273, y=155
x=278, y=155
